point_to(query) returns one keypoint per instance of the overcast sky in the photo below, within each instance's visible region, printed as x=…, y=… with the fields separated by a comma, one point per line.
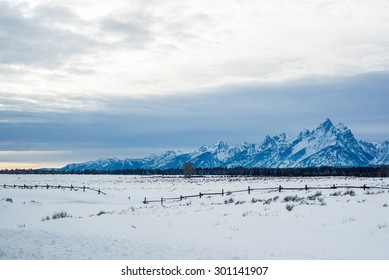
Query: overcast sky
x=86, y=79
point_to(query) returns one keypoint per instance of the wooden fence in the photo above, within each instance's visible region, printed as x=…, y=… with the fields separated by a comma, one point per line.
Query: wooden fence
x=71, y=187
x=249, y=190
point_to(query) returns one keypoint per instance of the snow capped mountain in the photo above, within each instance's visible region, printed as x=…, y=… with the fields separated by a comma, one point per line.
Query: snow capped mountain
x=327, y=145
x=382, y=156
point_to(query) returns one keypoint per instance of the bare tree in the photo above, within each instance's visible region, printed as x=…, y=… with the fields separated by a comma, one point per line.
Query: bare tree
x=188, y=168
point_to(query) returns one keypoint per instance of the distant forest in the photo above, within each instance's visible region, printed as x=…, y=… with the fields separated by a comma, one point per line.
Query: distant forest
x=381, y=171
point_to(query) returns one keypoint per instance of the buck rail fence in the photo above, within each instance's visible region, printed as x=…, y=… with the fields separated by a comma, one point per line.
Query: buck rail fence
x=71, y=187
x=249, y=190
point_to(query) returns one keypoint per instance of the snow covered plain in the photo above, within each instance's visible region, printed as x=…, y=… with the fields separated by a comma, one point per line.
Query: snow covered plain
x=326, y=224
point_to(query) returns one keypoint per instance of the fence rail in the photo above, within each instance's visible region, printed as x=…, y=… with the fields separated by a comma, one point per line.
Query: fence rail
x=71, y=187
x=249, y=190
x=199, y=195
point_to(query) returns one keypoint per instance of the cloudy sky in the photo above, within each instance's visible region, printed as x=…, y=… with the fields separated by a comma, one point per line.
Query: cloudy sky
x=83, y=79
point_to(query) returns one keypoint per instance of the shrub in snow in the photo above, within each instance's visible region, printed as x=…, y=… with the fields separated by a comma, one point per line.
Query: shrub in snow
x=291, y=198
x=322, y=202
x=336, y=194
x=267, y=201
x=34, y=202
x=101, y=213
x=385, y=205
x=231, y=200
x=374, y=192
x=246, y=213
x=60, y=215
x=314, y=196
x=47, y=218
x=9, y=200
x=382, y=226
x=349, y=192
x=289, y=207
x=348, y=220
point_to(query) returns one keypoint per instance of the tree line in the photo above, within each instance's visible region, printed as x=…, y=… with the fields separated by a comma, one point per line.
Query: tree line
x=380, y=171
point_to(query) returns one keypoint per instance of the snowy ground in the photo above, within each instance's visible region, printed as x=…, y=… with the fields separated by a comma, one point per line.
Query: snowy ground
x=331, y=224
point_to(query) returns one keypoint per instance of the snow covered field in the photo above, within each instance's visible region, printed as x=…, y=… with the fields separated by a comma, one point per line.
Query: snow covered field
x=64, y=224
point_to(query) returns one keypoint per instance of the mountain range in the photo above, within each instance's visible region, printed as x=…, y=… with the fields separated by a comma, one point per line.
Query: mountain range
x=327, y=145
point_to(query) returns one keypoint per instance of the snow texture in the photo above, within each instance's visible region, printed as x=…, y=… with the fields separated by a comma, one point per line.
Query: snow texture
x=326, y=224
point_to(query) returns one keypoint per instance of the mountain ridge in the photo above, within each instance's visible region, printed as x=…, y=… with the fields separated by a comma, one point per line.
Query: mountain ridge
x=326, y=145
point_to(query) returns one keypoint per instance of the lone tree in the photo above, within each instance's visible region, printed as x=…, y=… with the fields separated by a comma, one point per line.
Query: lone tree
x=188, y=168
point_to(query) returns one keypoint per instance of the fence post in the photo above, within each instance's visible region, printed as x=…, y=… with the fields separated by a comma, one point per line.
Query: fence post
x=279, y=188
x=162, y=201
x=249, y=189
x=200, y=195
x=145, y=201
x=306, y=187
x=98, y=192
x=83, y=188
x=222, y=192
x=181, y=197
x=364, y=187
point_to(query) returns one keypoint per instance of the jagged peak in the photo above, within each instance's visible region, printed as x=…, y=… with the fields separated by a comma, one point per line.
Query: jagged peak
x=268, y=140
x=304, y=133
x=282, y=138
x=342, y=128
x=327, y=144
x=151, y=156
x=246, y=144
x=326, y=125
x=169, y=153
x=202, y=149
x=221, y=144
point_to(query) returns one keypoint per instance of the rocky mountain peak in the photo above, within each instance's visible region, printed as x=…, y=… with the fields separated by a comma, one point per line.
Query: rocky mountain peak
x=326, y=145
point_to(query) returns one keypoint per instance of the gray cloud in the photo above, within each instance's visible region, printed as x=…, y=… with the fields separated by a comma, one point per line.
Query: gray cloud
x=28, y=40
x=46, y=103
x=233, y=114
